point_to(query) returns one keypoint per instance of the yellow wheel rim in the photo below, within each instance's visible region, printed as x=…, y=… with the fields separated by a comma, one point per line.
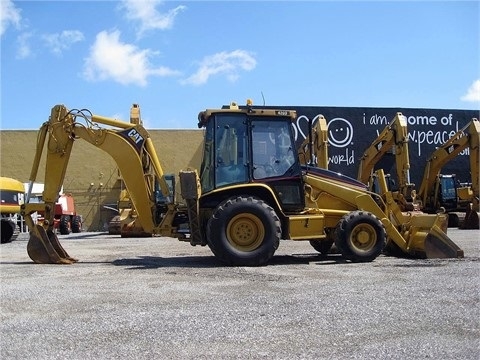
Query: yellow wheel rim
x=245, y=232
x=363, y=237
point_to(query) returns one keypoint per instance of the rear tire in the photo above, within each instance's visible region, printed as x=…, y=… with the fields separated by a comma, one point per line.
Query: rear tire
x=360, y=236
x=244, y=231
x=323, y=247
x=76, y=224
x=64, y=225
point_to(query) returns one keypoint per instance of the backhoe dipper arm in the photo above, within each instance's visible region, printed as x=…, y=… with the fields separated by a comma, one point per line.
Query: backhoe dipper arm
x=58, y=153
x=42, y=135
x=467, y=137
x=394, y=134
x=43, y=246
x=402, y=158
x=129, y=145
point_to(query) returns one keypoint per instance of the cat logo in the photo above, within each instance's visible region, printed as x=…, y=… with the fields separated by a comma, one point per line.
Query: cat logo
x=451, y=149
x=135, y=136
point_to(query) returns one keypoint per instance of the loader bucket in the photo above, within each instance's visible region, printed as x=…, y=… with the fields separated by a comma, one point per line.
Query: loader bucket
x=439, y=246
x=423, y=236
x=44, y=248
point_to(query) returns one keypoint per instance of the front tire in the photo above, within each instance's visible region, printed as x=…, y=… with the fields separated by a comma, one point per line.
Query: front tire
x=244, y=231
x=360, y=236
x=7, y=230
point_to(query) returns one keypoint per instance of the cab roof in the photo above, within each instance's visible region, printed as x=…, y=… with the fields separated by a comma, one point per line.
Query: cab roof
x=249, y=109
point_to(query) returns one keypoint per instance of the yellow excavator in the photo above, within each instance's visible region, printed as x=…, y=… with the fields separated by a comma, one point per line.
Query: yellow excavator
x=392, y=139
x=251, y=191
x=439, y=191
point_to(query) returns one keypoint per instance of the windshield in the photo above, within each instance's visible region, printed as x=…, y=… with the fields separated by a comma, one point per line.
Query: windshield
x=9, y=197
x=225, y=153
x=447, y=186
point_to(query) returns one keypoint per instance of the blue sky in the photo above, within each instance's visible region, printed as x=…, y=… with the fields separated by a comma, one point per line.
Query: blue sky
x=176, y=58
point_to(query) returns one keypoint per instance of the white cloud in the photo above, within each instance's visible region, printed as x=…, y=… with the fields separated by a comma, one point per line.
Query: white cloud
x=109, y=58
x=473, y=92
x=62, y=41
x=226, y=63
x=23, y=46
x=148, y=16
x=9, y=15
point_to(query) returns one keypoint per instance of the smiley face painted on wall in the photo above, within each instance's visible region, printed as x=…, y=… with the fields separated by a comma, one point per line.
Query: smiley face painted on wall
x=340, y=132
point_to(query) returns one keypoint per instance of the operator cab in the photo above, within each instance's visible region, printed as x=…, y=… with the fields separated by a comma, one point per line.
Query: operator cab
x=447, y=191
x=251, y=146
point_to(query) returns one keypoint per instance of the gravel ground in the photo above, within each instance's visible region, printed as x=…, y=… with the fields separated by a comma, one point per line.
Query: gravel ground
x=157, y=298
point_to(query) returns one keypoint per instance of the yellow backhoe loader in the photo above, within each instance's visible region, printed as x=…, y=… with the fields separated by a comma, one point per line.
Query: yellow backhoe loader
x=439, y=191
x=251, y=191
x=393, y=139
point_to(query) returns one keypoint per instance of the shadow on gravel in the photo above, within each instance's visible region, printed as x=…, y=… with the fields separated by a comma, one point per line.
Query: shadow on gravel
x=317, y=259
x=188, y=261
x=154, y=262
x=71, y=236
x=76, y=236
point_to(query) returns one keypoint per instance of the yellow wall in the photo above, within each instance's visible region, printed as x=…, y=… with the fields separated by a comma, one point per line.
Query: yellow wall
x=177, y=150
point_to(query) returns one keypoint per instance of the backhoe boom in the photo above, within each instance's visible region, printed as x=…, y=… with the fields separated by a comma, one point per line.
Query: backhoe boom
x=314, y=149
x=441, y=191
x=393, y=138
x=467, y=137
x=129, y=145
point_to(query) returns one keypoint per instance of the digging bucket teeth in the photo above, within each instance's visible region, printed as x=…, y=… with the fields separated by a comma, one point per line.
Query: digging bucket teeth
x=44, y=248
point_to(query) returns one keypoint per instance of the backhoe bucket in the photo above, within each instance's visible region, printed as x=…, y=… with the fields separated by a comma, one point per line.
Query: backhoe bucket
x=44, y=248
x=472, y=219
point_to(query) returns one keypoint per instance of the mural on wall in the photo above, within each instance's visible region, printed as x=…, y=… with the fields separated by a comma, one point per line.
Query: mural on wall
x=351, y=130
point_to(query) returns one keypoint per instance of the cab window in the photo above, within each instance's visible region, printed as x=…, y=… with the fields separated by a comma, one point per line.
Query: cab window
x=272, y=150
